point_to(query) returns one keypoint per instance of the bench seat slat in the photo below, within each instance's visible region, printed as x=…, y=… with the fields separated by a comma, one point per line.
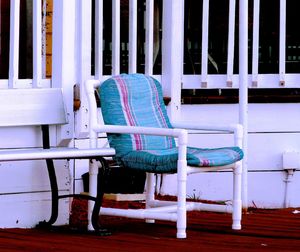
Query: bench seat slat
x=53, y=153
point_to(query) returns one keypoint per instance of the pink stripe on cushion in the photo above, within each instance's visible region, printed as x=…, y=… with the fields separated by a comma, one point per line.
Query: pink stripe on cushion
x=165, y=125
x=128, y=115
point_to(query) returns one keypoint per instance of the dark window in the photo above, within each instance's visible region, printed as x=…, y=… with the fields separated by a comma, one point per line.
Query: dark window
x=25, y=38
x=4, y=38
x=293, y=37
x=218, y=36
x=124, y=38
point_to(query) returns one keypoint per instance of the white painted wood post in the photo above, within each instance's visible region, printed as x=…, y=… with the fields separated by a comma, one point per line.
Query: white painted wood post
x=83, y=66
x=243, y=91
x=172, y=53
x=172, y=56
x=63, y=55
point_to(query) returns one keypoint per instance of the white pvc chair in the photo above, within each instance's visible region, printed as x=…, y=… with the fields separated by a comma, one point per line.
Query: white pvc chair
x=137, y=126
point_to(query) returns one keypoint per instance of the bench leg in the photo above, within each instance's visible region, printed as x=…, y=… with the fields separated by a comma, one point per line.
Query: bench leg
x=52, y=178
x=54, y=195
x=96, y=210
x=54, y=192
x=55, y=200
x=99, y=198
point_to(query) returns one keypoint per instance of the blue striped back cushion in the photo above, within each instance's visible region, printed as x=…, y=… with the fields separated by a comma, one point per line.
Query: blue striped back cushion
x=135, y=100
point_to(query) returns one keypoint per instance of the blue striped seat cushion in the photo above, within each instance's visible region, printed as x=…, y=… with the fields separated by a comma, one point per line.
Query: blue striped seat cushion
x=134, y=100
x=165, y=161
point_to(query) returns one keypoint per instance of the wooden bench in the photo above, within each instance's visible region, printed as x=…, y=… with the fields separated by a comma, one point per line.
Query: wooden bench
x=44, y=108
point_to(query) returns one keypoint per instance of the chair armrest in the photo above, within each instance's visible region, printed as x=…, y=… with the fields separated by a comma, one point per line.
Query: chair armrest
x=237, y=129
x=206, y=126
x=140, y=130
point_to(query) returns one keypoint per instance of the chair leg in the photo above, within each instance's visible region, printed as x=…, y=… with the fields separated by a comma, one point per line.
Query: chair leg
x=99, y=197
x=93, y=183
x=181, y=201
x=94, y=219
x=237, y=197
x=150, y=190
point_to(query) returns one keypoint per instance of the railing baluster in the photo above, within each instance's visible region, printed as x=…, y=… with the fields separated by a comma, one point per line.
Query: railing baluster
x=0, y=28
x=230, y=52
x=204, y=60
x=115, y=37
x=14, y=42
x=37, y=43
x=98, y=39
x=255, y=47
x=149, y=37
x=282, y=42
x=44, y=39
x=132, y=57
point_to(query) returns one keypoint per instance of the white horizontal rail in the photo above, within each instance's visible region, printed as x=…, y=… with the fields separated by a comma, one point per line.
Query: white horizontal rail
x=25, y=83
x=195, y=205
x=138, y=214
x=292, y=80
x=212, y=207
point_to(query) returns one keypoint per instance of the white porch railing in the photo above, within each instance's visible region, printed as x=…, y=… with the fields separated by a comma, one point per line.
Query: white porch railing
x=38, y=79
x=204, y=79
x=36, y=22
x=196, y=81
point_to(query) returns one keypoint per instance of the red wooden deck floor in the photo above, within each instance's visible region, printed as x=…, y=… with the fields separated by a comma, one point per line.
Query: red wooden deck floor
x=263, y=230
